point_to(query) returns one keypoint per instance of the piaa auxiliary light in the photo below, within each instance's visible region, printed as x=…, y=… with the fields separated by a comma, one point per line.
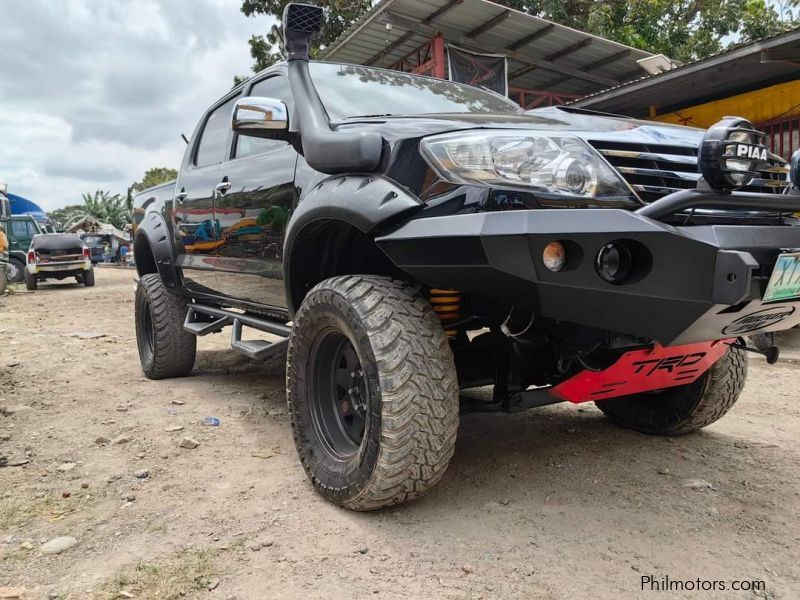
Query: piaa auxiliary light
x=731, y=153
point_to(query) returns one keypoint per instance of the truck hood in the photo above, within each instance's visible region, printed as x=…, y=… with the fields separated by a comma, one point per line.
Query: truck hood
x=595, y=126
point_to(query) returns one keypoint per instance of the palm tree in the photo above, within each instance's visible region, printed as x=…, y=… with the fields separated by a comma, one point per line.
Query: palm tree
x=107, y=208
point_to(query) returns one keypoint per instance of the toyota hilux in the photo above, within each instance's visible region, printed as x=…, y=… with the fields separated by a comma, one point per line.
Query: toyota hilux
x=407, y=239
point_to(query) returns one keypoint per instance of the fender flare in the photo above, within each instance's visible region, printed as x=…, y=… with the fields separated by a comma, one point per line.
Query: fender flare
x=154, y=232
x=364, y=201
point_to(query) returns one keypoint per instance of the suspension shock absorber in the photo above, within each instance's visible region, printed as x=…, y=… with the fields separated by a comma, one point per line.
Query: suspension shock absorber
x=447, y=306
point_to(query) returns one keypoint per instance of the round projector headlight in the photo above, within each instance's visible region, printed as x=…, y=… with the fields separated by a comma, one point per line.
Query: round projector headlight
x=731, y=153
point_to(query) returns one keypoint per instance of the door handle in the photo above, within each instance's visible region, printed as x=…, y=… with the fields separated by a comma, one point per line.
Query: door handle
x=222, y=187
x=182, y=195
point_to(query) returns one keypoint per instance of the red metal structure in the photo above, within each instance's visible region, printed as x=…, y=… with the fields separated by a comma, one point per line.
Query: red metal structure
x=528, y=99
x=428, y=59
x=431, y=59
x=783, y=135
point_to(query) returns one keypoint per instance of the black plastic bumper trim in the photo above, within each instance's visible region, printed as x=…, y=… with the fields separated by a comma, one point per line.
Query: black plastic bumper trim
x=685, y=294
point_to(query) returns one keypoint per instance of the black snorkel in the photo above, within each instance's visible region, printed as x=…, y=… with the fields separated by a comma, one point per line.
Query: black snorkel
x=325, y=150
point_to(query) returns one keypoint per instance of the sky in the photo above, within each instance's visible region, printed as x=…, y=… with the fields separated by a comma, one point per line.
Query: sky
x=95, y=92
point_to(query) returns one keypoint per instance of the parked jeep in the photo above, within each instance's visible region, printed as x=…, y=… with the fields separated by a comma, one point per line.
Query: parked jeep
x=58, y=256
x=20, y=230
x=408, y=239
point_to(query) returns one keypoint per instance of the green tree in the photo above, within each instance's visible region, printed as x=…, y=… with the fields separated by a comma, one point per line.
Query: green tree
x=61, y=216
x=155, y=176
x=684, y=30
x=107, y=208
x=266, y=50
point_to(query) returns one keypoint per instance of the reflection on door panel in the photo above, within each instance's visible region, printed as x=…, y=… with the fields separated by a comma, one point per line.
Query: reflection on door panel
x=253, y=215
x=199, y=235
x=195, y=222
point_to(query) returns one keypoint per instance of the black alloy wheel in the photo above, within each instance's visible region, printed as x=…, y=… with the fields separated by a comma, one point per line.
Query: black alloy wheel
x=338, y=380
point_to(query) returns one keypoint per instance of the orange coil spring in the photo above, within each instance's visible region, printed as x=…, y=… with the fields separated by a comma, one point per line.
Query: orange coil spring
x=447, y=306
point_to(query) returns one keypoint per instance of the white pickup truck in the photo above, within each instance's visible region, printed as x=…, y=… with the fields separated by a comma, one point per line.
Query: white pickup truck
x=58, y=256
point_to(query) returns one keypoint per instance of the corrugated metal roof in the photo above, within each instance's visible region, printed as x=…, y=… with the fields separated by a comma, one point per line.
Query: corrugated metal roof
x=547, y=56
x=736, y=70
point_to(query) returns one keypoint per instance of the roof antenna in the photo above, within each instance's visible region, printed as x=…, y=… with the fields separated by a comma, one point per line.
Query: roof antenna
x=184, y=139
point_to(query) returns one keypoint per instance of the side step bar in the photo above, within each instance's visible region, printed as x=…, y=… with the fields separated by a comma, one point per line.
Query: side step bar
x=220, y=318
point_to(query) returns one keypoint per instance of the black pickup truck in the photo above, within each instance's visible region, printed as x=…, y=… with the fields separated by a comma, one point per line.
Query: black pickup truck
x=408, y=239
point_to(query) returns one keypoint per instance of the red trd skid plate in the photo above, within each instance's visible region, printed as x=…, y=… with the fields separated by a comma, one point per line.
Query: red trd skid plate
x=643, y=371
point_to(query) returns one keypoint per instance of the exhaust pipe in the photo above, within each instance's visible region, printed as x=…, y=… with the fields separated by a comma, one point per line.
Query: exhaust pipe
x=325, y=150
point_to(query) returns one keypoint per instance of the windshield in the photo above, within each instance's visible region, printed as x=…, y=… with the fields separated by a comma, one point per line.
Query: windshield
x=93, y=240
x=356, y=91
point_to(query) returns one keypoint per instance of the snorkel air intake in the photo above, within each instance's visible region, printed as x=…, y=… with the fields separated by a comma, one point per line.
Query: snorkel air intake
x=324, y=149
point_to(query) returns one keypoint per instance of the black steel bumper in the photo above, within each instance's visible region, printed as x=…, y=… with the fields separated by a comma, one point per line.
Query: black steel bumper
x=693, y=283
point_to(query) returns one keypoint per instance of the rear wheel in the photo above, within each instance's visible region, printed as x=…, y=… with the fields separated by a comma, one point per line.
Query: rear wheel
x=165, y=348
x=686, y=408
x=372, y=392
x=31, y=283
x=16, y=270
x=88, y=278
x=3, y=281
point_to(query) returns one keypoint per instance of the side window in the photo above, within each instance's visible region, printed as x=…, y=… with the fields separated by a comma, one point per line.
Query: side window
x=33, y=229
x=19, y=230
x=213, y=147
x=271, y=87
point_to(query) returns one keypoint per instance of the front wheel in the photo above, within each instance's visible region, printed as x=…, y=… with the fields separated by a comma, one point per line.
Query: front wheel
x=372, y=392
x=686, y=408
x=16, y=270
x=165, y=348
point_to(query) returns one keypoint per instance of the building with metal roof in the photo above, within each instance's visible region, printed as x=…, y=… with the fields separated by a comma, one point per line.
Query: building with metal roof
x=759, y=81
x=547, y=63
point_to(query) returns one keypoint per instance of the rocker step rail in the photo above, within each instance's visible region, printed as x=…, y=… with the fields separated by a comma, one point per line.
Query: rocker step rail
x=220, y=318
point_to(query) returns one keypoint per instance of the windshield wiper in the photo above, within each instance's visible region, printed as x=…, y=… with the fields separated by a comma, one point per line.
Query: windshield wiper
x=370, y=116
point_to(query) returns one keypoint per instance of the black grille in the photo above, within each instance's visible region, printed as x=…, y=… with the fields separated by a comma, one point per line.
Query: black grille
x=655, y=170
x=304, y=17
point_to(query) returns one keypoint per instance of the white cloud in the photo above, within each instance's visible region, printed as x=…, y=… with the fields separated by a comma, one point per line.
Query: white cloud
x=94, y=92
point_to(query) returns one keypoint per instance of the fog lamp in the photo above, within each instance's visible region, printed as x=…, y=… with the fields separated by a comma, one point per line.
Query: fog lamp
x=614, y=262
x=554, y=256
x=731, y=153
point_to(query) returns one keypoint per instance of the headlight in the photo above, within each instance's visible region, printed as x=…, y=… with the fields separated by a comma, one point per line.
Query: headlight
x=552, y=163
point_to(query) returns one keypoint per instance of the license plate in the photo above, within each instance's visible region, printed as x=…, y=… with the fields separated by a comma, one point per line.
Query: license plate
x=785, y=281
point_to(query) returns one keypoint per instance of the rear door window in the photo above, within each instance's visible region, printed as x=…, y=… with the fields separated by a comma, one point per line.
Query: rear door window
x=19, y=230
x=213, y=146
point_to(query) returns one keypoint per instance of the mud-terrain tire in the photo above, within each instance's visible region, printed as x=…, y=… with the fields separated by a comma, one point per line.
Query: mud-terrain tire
x=31, y=283
x=686, y=408
x=88, y=278
x=16, y=270
x=165, y=348
x=385, y=337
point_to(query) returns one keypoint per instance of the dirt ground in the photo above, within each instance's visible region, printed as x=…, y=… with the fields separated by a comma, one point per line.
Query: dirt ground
x=553, y=503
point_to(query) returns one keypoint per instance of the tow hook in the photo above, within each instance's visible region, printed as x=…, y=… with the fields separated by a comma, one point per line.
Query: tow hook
x=763, y=344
